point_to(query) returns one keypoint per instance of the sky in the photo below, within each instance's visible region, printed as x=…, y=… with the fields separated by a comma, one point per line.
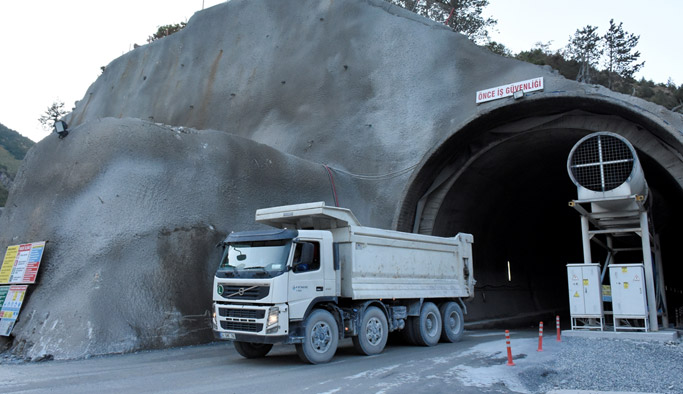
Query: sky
x=53, y=50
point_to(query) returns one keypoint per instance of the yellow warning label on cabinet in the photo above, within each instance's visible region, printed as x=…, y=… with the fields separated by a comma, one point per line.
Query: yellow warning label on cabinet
x=585, y=282
x=625, y=285
x=576, y=294
x=624, y=269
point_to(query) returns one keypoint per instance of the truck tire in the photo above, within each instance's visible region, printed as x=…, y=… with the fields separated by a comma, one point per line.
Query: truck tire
x=321, y=337
x=408, y=332
x=252, y=350
x=453, y=322
x=374, y=332
x=427, y=328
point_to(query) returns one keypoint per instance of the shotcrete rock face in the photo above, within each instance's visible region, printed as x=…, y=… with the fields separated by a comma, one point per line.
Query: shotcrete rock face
x=132, y=212
x=260, y=94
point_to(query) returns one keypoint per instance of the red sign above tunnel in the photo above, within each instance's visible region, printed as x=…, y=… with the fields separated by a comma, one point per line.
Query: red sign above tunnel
x=530, y=85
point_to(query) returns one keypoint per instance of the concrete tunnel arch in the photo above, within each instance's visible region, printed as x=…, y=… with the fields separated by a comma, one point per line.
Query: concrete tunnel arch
x=503, y=178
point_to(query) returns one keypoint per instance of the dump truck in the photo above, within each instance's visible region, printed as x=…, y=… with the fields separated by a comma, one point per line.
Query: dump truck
x=316, y=276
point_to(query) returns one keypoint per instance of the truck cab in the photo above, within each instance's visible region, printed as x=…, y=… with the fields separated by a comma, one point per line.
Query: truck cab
x=268, y=278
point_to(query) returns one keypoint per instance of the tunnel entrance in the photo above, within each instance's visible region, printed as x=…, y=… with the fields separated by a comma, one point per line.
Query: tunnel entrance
x=504, y=179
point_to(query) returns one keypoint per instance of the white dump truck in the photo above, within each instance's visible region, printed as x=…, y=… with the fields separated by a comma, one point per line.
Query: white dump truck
x=319, y=276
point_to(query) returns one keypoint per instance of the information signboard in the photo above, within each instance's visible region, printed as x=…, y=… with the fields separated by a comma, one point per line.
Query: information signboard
x=11, y=298
x=21, y=263
x=498, y=92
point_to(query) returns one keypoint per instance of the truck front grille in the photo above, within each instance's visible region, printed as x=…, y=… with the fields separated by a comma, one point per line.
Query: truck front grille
x=245, y=292
x=240, y=326
x=242, y=313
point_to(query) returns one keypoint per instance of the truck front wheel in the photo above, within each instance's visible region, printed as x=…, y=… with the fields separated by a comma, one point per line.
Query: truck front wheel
x=320, y=339
x=453, y=322
x=252, y=350
x=374, y=332
x=427, y=328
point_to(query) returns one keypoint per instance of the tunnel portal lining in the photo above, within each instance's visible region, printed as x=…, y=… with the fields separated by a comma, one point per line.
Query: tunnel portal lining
x=442, y=167
x=494, y=178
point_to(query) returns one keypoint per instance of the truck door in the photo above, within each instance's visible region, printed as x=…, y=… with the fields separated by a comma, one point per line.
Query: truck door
x=306, y=282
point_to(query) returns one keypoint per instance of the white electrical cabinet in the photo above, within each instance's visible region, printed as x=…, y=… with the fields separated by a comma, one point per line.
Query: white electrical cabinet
x=585, y=296
x=628, y=296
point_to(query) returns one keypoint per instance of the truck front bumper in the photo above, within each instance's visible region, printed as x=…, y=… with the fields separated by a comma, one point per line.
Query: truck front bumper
x=273, y=339
x=251, y=323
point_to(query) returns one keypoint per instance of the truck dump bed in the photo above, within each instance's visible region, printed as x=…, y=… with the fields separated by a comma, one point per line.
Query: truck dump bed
x=378, y=263
x=388, y=264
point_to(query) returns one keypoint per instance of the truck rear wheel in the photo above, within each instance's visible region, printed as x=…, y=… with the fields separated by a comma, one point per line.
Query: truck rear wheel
x=374, y=332
x=408, y=332
x=252, y=350
x=321, y=337
x=427, y=328
x=453, y=322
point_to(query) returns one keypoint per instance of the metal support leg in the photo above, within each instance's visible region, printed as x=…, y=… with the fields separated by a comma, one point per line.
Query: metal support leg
x=586, y=239
x=660, y=282
x=649, y=273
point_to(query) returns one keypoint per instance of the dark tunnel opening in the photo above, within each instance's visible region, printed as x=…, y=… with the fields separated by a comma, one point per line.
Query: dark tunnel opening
x=514, y=199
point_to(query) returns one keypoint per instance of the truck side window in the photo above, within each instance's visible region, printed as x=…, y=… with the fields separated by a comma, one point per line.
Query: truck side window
x=301, y=267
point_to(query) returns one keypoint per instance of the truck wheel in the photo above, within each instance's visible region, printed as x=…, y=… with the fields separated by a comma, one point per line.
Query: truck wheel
x=321, y=337
x=408, y=331
x=427, y=328
x=252, y=350
x=374, y=332
x=453, y=322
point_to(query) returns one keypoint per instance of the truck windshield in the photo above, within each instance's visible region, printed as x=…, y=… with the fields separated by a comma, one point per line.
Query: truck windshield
x=255, y=259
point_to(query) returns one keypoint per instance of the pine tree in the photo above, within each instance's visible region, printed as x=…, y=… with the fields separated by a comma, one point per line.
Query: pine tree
x=619, y=48
x=584, y=48
x=52, y=114
x=463, y=16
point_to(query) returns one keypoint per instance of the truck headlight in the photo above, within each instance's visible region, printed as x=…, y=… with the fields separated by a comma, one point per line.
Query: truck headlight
x=273, y=319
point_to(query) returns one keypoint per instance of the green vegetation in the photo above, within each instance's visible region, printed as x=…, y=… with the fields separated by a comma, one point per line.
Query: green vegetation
x=13, y=148
x=166, y=30
x=463, y=16
x=580, y=60
x=665, y=94
x=52, y=114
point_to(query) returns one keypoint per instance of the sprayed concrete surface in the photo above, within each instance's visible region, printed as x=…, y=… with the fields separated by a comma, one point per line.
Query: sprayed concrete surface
x=132, y=212
x=260, y=94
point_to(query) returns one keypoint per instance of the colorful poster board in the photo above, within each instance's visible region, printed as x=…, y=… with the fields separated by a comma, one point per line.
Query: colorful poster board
x=11, y=298
x=21, y=263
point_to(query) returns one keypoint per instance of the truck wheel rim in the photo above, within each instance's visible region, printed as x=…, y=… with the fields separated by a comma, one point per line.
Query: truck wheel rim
x=321, y=337
x=430, y=324
x=373, y=331
x=453, y=321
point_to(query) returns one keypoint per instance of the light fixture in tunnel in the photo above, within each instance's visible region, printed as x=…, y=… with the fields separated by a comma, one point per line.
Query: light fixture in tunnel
x=509, y=272
x=518, y=94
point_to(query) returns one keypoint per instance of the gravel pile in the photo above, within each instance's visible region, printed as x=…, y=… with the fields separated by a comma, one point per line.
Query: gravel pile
x=610, y=365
